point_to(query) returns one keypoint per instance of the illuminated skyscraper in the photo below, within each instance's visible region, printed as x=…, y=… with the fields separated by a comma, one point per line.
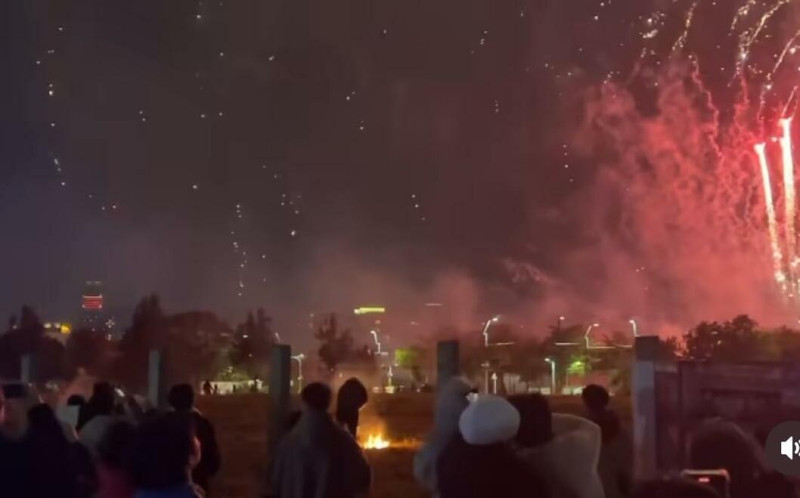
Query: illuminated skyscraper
x=92, y=305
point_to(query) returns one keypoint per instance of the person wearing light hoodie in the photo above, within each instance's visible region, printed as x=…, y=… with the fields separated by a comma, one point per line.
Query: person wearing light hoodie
x=450, y=402
x=318, y=458
x=480, y=462
x=564, y=449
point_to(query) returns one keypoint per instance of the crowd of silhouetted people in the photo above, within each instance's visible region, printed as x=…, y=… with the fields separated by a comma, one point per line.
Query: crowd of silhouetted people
x=113, y=448
x=481, y=446
x=486, y=446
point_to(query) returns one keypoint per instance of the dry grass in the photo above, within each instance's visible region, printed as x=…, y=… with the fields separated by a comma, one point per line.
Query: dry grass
x=241, y=423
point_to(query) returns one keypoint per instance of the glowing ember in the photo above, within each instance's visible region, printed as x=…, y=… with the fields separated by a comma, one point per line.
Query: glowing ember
x=376, y=442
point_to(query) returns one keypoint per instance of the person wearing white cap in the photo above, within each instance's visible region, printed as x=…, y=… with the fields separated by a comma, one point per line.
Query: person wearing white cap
x=479, y=463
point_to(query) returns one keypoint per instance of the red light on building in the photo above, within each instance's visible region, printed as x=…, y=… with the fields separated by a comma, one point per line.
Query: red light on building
x=92, y=303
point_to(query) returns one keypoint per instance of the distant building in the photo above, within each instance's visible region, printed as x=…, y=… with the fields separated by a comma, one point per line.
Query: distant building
x=92, y=306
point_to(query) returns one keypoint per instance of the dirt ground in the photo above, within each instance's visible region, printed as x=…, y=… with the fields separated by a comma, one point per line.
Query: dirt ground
x=241, y=424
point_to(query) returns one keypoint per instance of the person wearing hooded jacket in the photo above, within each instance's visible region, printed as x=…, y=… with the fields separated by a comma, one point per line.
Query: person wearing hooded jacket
x=318, y=458
x=450, y=402
x=480, y=463
x=351, y=399
x=563, y=449
x=616, y=450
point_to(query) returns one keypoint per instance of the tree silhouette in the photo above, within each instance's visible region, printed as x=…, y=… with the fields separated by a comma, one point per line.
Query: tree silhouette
x=734, y=340
x=88, y=350
x=148, y=331
x=196, y=346
x=27, y=337
x=252, y=343
x=336, y=346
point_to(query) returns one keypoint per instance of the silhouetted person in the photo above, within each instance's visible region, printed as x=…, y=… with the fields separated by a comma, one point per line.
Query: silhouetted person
x=318, y=458
x=479, y=462
x=113, y=477
x=674, y=488
x=350, y=400
x=99, y=416
x=163, y=453
x=616, y=455
x=207, y=389
x=14, y=475
x=181, y=398
x=57, y=466
x=718, y=444
x=216, y=389
x=563, y=449
x=451, y=400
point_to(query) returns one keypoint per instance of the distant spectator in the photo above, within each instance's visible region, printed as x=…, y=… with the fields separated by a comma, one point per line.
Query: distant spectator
x=479, y=463
x=207, y=387
x=100, y=415
x=181, y=398
x=216, y=389
x=616, y=455
x=113, y=478
x=57, y=467
x=350, y=400
x=318, y=458
x=719, y=444
x=674, y=488
x=450, y=402
x=563, y=449
x=163, y=453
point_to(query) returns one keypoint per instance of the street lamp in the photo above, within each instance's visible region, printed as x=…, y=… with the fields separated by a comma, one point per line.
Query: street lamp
x=561, y=319
x=552, y=363
x=377, y=342
x=635, y=329
x=299, y=359
x=489, y=322
x=277, y=337
x=586, y=336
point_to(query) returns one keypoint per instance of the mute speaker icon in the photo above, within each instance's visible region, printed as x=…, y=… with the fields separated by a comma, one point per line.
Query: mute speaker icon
x=790, y=447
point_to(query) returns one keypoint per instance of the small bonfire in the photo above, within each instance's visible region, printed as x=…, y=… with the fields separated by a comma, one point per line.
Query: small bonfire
x=376, y=442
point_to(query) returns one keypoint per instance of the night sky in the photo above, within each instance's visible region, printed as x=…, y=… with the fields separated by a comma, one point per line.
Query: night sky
x=301, y=156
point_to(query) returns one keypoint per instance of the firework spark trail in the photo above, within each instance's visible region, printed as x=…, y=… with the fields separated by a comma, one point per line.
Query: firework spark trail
x=789, y=46
x=750, y=35
x=772, y=223
x=681, y=41
x=742, y=12
x=789, y=201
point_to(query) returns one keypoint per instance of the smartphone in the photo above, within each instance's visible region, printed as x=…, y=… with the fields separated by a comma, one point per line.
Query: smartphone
x=15, y=390
x=716, y=479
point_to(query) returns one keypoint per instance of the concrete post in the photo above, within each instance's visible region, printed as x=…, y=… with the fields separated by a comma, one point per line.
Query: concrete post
x=155, y=378
x=27, y=373
x=644, y=407
x=280, y=374
x=447, y=361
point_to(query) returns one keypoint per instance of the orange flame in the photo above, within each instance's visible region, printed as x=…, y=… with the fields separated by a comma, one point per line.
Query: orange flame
x=376, y=442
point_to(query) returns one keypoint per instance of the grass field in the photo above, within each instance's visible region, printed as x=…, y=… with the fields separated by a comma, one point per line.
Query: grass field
x=241, y=423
